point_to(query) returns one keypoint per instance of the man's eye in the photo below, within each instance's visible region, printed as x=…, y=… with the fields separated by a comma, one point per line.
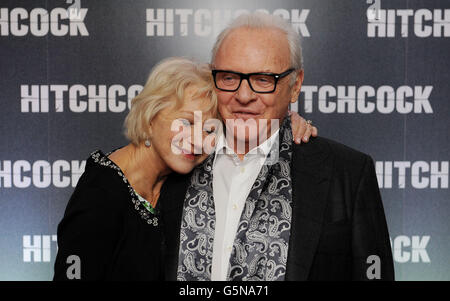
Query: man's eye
x=263, y=79
x=229, y=77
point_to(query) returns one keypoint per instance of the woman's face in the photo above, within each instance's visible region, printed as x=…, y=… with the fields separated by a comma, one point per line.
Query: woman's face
x=178, y=134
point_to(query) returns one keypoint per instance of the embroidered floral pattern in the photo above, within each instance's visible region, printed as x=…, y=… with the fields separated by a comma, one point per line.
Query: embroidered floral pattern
x=144, y=209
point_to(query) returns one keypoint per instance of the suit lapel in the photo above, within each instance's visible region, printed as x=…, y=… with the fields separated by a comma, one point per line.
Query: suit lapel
x=311, y=169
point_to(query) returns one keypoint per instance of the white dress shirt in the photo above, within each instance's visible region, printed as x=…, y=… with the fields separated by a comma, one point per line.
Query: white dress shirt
x=232, y=182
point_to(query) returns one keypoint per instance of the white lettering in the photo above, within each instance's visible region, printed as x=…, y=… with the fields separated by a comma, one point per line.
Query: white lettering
x=423, y=174
x=40, y=174
x=423, y=22
x=40, y=22
x=367, y=99
x=205, y=22
x=80, y=98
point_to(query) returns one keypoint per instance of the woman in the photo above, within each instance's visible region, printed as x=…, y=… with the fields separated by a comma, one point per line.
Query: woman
x=111, y=221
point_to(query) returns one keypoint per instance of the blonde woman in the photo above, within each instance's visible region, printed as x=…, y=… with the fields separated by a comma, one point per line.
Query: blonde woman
x=112, y=221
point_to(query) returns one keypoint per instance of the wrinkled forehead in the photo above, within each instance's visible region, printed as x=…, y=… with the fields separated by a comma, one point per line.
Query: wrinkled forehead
x=252, y=50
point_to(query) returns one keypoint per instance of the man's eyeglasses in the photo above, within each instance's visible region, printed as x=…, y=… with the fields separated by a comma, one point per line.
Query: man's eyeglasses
x=260, y=82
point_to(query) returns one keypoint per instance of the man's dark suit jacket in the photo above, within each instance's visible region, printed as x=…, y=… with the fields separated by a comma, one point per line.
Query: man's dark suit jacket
x=337, y=221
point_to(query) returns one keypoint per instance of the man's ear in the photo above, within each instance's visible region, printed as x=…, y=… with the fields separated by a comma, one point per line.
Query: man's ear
x=297, y=85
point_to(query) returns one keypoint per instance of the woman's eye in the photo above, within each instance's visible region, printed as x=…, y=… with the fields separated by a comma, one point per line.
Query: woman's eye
x=185, y=122
x=210, y=131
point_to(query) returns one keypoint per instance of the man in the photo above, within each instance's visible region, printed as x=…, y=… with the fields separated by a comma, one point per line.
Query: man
x=314, y=214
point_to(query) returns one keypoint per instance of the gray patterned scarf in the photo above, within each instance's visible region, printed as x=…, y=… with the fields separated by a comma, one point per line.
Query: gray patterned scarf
x=262, y=239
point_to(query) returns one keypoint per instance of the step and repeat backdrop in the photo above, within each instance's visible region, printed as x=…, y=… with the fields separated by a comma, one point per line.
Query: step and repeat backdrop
x=377, y=78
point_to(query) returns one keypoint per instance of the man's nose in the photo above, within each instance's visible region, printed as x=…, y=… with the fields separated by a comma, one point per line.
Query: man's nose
x=245, y=94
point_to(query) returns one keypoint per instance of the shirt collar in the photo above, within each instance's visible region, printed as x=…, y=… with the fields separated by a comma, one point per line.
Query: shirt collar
x=263, y=149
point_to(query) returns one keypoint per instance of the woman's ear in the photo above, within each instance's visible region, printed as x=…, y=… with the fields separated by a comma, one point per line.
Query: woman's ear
x=149, y=130
x=297, y=85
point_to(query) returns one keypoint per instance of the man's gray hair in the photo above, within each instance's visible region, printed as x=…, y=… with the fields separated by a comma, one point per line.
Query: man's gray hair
x=260, y=20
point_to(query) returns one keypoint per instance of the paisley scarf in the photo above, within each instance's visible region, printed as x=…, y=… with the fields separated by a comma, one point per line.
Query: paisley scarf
x=262, y=239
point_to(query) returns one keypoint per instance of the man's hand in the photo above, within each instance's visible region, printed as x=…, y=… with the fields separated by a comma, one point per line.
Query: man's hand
x=301, y=129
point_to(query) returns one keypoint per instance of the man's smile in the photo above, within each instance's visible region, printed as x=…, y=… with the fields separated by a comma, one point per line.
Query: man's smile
x=245, y=114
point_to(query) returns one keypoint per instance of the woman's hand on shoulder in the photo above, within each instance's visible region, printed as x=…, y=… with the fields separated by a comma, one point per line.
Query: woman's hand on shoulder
x=302, y=129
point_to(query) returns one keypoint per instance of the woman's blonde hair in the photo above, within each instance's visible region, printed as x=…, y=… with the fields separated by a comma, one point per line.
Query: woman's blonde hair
x=166, y=85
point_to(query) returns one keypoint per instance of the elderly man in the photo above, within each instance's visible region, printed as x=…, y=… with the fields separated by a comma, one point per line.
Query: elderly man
x=313, y=214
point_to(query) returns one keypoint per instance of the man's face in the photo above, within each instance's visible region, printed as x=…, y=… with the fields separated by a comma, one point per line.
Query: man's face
x=256, y=50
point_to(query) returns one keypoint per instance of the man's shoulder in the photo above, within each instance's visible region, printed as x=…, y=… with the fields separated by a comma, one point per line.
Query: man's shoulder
x=343, y=155
x=343, y=150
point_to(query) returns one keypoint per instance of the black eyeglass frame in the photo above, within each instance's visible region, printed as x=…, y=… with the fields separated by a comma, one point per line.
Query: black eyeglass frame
x=242, y=76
